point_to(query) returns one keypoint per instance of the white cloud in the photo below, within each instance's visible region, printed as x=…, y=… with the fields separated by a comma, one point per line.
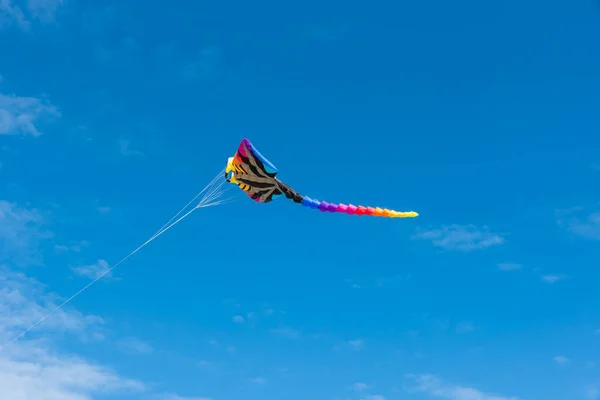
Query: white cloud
x=552, y=278
x=169, y=396
x=70, y=247
x=133, y=345
x=238, y=319
x=373, y=397
x=10, y=13
x=269, y=311
x=561, y=360
x=38, y=10
x=580, y=223
x=461, y=237
x=30, y=368
x=23, y=302
x=359, y=386
x=465, y=327
x=103, y=209
x=35, y=366
x=592, y=392
x=46, y=377
x=21, y=231
x=93, y=271
x=44, y=10
x=126, y=150
x=509, y=266
x=204, y=364
x=435, y=387
x=358, y=344
x=22, y=115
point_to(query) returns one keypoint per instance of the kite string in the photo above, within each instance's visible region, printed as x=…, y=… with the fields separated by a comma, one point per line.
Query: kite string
x=213, y=193
x=97, y=279
x=165, y=228
x=207, y=187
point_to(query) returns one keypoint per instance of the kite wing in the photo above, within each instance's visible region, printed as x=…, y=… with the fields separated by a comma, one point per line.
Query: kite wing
x=253, y=173
x=256, y=175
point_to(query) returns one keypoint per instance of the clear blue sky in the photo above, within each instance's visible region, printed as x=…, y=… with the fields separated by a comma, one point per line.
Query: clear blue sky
x=481, y=116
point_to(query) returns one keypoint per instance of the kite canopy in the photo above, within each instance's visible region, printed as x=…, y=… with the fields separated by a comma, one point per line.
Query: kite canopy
x=256, y=175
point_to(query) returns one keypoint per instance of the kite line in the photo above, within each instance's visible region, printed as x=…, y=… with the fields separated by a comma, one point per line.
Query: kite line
x=210, y=199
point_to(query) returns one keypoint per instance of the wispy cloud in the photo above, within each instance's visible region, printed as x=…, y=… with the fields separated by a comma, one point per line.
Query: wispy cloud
x=562, y=360
x=508, y=266
x=21, y=232
x=359, y=386
x=31, y=368
x=36, y=10
x=353, y=285
x=44, y=376
x=126, y=150
x=373, y=397
x=170, y=396
x=465, y=327
x=204, y=364
x=238, y=319
x=93, y=271
x=23, y=115
x=435, y=387
x=23, y=302
x=461, y=237
x=580, y=222
x=553, y=278
x=44, y=10
x=72, y=247
x=135, y=346
x=103, y=209
x=10, y=13
x=592, y=392
x=357, y=344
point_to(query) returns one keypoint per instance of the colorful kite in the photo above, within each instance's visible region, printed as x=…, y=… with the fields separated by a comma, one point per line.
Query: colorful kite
x=255, y=175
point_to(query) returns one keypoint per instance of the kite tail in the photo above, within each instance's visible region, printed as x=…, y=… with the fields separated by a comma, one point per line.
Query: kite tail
x=350, y=209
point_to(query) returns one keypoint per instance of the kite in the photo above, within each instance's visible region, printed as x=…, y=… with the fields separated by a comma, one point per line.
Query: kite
x=256, y=176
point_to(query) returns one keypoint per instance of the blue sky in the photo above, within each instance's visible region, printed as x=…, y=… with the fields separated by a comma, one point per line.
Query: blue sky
x=481, y=117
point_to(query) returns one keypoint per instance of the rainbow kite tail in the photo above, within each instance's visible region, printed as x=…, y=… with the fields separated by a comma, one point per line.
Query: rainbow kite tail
x=351, y=209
